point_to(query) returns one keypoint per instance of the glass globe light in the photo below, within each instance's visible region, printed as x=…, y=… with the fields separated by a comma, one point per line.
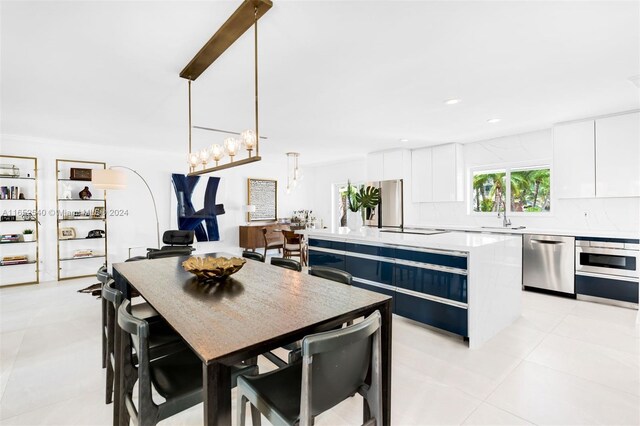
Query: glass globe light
x=217, y=152
x=193, y=159
x=204, y=157
x=231, y=145
x=249, y=140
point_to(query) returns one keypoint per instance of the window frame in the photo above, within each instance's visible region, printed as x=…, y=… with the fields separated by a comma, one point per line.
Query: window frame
x=508, y=168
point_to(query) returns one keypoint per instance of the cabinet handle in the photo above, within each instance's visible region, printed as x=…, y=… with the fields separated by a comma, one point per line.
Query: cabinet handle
x=547, y=242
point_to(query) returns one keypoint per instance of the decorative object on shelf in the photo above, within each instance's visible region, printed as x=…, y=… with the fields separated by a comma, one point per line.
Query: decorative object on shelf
x=27, y=235
x=294, y=176
x=96, y=233
x=66, y=191
x=248, y=209
x=98, y=212
x=85, y=194
x=11, y=193
x=14, y=260
x=263, y=193
x=9, y=170
x=116, y=179
x=21, y=196
x=66, y=233
x=213, y=268
x=80, y=174
x=239, y=22
x=28, y=216
x=191, y=220
x=10, y=238
x=78, y=254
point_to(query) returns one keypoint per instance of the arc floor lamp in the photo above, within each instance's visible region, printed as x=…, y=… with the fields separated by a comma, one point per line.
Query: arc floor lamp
x=117, y=179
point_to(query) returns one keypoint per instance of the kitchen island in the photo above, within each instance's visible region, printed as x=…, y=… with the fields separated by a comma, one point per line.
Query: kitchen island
x=465, y=283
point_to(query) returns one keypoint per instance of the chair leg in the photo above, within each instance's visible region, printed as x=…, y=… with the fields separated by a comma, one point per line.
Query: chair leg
x=256, y=417
x=108, y=396
x=102, y=332
x=242, y=409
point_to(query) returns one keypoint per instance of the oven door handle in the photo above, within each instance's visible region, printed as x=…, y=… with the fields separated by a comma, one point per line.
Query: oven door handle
x=550, y=242
x=609, y=277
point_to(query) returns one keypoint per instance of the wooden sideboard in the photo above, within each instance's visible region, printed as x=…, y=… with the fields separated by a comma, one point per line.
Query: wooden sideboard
x=251, y=235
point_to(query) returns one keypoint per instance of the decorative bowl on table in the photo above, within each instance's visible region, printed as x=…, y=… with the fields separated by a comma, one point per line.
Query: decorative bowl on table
x=213, y=268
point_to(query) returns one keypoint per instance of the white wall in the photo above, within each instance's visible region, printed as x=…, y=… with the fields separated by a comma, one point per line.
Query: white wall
x=137, y=228
x=610, y=214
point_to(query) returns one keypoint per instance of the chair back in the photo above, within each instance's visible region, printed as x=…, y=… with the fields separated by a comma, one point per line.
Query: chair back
x=111, y=294
x=335, y=365
x=332, y=274
x=294, y=265
x=270, y=236
x=290, y=237
x=103, y=275
x=172, y=251
x=175, y=237
x=253, y=255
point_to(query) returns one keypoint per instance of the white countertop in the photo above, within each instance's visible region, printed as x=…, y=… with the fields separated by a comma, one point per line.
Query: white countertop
x=563, y=232
x=456, y=241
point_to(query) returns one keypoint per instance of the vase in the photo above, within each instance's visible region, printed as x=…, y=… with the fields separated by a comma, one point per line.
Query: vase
x=354, y=221
x=85, y=194
x=27, y=237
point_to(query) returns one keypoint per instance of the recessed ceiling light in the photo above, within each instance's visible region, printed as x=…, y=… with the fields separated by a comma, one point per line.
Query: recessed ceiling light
x=404, y=140
x=494, y=120
x=452, y=101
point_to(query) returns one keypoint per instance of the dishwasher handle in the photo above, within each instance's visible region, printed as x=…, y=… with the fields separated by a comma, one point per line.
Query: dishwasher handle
x=550, y=242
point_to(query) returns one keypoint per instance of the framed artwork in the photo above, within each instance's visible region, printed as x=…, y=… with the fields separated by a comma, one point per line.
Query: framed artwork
x=263, y=193
x=80, y=174
x=98, y=212
x=66, y=233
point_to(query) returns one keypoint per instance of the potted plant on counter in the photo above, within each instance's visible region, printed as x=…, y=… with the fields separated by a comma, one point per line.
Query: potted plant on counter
x=27, y=235
x=361, y=201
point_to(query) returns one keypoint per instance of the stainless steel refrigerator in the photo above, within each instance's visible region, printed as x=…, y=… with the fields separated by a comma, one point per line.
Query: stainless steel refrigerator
x=389, y=213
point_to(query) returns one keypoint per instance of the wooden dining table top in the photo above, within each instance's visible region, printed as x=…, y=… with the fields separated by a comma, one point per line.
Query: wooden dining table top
x=258, y=305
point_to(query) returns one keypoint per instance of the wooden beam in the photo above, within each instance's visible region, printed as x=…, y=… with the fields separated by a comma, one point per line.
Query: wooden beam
x=225, y=166
x=237, y=24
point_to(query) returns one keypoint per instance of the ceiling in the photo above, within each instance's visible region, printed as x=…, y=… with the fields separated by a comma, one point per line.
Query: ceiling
x=338, y=79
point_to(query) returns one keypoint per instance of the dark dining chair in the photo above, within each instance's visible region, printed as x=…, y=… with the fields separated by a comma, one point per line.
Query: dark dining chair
x=253, y=255
x=334, y=366
x=332, y=274
x=292, y=245
x=294, y=265
x=177, y=377
x=177, y=243
x=163, y=342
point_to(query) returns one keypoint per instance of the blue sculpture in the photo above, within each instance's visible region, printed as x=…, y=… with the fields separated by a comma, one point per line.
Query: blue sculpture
x=191, y=220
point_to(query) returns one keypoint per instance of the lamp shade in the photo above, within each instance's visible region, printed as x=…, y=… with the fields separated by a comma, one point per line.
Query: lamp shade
x=109, y=179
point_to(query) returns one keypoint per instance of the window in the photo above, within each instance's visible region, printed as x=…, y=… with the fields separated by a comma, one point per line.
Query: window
x=489, y=191
x=529, y=190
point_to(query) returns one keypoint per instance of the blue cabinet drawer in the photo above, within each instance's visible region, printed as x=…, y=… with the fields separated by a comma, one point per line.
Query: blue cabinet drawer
x=624, y=291
x=372, y=270
x=446, y=317
x=433, y=258
x=334, y=245
x=371, y=250
x=380, y=290
x=442, y=284
x=320, y=258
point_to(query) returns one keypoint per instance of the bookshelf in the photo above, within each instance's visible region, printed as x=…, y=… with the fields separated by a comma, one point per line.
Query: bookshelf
x=19, y=259
x=76, y=217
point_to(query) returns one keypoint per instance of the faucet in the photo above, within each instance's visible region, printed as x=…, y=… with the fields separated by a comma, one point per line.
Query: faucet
x=505, y=221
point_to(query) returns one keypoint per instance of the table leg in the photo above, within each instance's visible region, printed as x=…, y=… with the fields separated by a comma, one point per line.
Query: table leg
x=385, y=344
x=216, y=380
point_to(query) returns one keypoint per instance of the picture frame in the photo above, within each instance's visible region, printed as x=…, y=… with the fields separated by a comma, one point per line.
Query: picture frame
x=262, y=193
x=77, y=173
x=98, y=212
x=66, y=233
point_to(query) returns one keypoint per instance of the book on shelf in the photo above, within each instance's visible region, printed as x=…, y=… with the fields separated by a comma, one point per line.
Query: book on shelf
x=10, y=192
x=9, y=238
x=15, y=260
x=82, y=253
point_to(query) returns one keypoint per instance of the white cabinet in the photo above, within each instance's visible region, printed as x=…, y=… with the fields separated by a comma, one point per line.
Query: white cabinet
x=618, y=156
x=375, y=166
x=389, y=165
x=421, y=177
x=437, y=174
x=574, y=160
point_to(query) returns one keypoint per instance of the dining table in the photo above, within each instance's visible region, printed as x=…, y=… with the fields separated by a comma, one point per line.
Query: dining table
x=259, y=308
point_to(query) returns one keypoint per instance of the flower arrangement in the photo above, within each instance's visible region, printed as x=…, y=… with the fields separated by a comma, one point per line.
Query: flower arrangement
x=303, y=217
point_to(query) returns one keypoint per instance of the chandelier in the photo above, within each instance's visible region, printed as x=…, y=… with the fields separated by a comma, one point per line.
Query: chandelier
x=242, y=144
x=294, y=175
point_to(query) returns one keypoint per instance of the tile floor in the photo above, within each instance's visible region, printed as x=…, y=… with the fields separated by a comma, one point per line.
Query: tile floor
x=563, y=362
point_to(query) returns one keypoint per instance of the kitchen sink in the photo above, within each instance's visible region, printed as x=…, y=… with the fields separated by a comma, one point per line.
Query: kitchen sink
x=504, y=227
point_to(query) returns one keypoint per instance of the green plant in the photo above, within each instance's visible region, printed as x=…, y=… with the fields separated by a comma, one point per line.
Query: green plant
x=368, y=198
x=28, y=231
x=352, y=200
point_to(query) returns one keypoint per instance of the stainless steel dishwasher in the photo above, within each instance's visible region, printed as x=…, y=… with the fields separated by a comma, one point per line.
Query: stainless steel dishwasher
x=548, y=263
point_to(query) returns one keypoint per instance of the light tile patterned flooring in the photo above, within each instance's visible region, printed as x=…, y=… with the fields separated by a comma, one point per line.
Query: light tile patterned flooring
x=563, y=362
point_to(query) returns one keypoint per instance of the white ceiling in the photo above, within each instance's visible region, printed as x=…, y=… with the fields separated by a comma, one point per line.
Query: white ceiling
x=338, y=79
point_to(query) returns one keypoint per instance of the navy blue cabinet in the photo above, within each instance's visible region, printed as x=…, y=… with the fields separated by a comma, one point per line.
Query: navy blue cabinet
x=385, y=291
x=624, y=291
x=320, y=258
x=438, y=283
x=440, y=315
x=368, y=269
x=451, y=261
